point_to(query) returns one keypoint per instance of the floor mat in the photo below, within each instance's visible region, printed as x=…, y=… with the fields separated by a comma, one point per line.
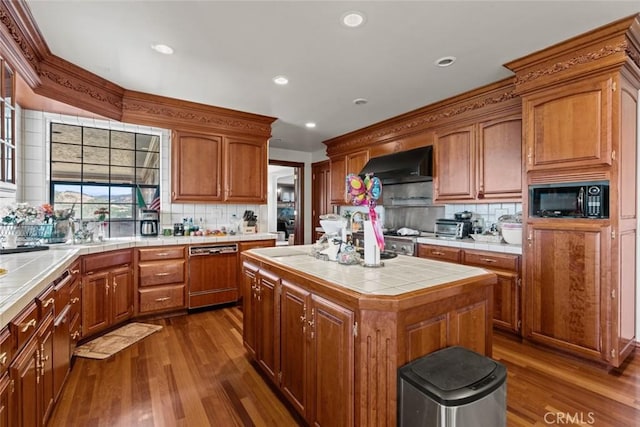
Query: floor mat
x=111, y=343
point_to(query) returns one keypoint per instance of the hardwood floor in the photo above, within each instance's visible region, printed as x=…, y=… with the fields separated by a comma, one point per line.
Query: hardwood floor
x=194, y=372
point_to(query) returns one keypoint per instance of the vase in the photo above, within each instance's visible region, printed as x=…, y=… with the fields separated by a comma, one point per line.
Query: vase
x=101, y=232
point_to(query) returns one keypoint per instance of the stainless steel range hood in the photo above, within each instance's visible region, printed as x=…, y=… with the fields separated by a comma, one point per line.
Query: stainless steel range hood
x=407, y=166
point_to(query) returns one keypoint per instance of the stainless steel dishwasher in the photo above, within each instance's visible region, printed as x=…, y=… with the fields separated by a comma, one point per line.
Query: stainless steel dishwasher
x=213, y=274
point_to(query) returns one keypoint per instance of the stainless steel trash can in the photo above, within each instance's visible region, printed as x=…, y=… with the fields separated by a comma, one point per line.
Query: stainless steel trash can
x=452, y=387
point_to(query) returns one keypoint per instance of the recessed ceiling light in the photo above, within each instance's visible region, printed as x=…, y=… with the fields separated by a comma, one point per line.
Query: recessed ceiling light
x=360, y=101
x=162, y=48
x=352, y=19
x=310, y=125
x=280, y=80
x=445, y=61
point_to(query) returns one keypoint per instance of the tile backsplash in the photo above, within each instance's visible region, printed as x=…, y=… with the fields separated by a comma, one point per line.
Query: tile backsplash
x=490, y=212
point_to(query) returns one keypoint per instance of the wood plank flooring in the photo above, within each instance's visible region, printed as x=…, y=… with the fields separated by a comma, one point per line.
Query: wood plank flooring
x=194, y=372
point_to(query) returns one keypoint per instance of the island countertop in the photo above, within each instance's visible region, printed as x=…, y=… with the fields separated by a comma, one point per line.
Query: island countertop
x=396, y=276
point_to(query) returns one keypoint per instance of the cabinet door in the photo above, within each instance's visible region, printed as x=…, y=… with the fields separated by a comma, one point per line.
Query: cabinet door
x=294, y=345
x=455, y=176
x=332, y=365
x=356, y=161
x=213, y=279
x=569, y=126
x=338, y=180
x=121, y=294
x=196, y=167
x=506, y=302
x=7, y=401
x=25, y=374
x=95, y=303
x=45, y=339
x=564, y=300
x=246, y=170
x=268, y=325
x=61, y=349
x=249, y=302
x=500, y=159
x=320, y=191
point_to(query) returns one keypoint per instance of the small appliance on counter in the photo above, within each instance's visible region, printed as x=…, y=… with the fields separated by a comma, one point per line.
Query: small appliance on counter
x=453, y=228
x=148, y=223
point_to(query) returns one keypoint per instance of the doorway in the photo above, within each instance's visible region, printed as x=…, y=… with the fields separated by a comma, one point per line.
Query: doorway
x=286, y=200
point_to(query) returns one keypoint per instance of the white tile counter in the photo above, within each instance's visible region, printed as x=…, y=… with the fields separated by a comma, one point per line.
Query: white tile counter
x=29, y=273
x=472, y=244
x=398, y=275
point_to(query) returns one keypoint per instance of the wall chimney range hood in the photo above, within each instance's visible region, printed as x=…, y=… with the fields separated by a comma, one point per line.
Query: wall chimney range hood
x=407, y=166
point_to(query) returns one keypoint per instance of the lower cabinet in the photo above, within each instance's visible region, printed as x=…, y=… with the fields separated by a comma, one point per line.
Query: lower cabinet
x=32, y=376
x=507, y=291
x=304, y=344
x=7, y=404
x=107, y=291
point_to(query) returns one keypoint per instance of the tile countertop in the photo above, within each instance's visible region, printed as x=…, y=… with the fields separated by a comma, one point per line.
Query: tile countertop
x=472, y=244
x=29, y=273
x=398, y=275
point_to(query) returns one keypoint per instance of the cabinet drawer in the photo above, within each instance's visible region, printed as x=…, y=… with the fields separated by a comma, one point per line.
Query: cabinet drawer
x=75, y=297
x=25, y=324
x=154, y=254
x=7, y=348
x=62, y=290
x=161, y=298
x=46, y=302
x=491, y=260
x=91, y=263
x=161, y=273
x=442, y=253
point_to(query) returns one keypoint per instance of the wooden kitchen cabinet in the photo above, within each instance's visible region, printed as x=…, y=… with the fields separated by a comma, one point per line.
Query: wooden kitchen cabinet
x=217, y=168
x=32, y=376
x=161, y=279
x=568, y=300
x=249, y=307
x=297, y=337
x=245, y=246
x=340, y=167
x=320, y=194
x=480, y=161
x=7, y=401
x=570, y=126
x=107, y=290
x=506, y=292
x=213, y=279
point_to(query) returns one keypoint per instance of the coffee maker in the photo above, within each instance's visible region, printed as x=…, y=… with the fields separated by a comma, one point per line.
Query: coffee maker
x=148, y=222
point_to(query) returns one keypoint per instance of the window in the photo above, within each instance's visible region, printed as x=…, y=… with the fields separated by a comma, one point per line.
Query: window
x=95, y=168
x=7, y=125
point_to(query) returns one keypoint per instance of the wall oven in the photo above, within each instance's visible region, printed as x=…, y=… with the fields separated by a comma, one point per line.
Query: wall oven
x=570, y=200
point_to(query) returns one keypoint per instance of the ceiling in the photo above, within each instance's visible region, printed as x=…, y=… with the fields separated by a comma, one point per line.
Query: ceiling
x=227, y=52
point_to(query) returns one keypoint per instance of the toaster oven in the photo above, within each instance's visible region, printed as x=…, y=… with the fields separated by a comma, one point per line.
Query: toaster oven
x=452, y=228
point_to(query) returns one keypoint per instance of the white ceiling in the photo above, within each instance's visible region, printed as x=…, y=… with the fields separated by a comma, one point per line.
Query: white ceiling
x=227, y=52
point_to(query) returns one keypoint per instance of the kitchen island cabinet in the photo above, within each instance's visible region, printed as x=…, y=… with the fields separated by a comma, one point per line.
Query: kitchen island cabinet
x=359, y=325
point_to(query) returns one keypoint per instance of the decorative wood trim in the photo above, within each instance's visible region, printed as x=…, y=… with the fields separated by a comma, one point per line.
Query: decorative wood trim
x=494, y=96
x=53, y=77
x=611, y=46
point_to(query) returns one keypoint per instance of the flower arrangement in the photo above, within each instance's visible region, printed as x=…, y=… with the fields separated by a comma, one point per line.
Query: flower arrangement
x=57, y=214
x=21, y=213
x=101, y=214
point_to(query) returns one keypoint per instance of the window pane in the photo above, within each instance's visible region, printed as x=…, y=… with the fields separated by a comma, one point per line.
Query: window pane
x=7, y=90
x=99, y=156
x=64, y=194
x=147, y=159
x=148, y=176
x=66, y=133
x=122, y=195
x=122, y=175
x=121, y=211
x=122, y=157
x=124, y=140
x=95, y=137
x=95, y=173
x=148, y=143
x=66, y=153
x=61, y=171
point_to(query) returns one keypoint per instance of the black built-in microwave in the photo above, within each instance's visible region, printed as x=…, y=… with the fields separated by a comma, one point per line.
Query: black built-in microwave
x=570, y=200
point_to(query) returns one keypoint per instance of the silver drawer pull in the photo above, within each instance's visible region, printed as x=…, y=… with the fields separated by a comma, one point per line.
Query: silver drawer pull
x=487, y=260
x=162, y=274
x=163, y=299
x=29, y=324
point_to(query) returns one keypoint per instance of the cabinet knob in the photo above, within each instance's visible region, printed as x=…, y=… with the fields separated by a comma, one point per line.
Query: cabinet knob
x=30, y=324
x=48, y=302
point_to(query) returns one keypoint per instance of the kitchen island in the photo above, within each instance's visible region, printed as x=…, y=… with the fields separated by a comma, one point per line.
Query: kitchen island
x=331, y=337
